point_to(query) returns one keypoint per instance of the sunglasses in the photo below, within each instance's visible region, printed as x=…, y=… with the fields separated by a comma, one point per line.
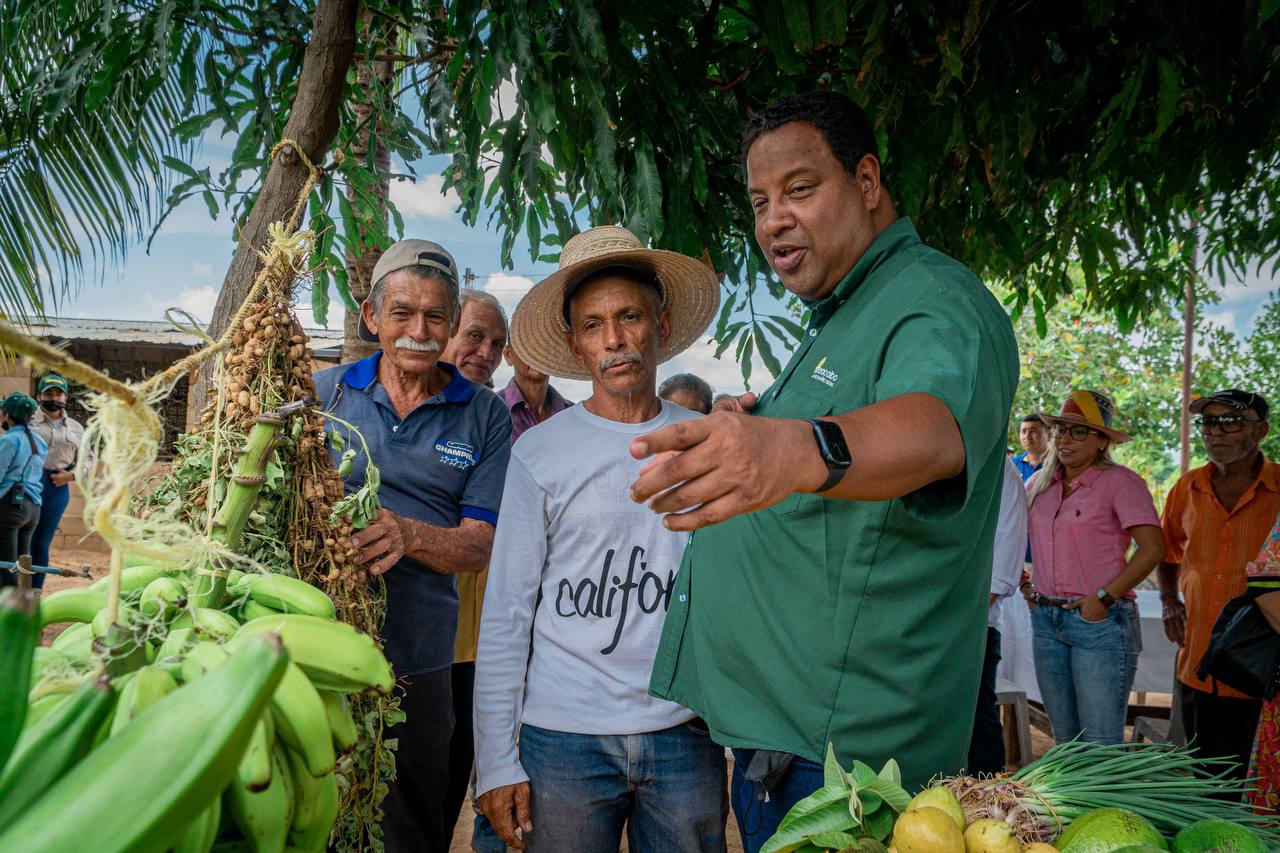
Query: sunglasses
x=1226, y=423
x=1077, y=433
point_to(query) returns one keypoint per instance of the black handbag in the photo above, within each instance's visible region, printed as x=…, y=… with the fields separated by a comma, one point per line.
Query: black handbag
x=1244, y=650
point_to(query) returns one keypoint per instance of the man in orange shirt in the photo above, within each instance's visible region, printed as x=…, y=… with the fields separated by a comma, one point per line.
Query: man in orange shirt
x=1215, y=520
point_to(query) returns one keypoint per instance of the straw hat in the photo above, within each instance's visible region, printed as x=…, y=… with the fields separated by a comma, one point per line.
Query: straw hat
x=690, y=290
x=1088, y=408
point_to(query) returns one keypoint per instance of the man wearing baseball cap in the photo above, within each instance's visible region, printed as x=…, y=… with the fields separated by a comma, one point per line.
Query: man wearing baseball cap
x=1215, y=520
x=441, y=443
x=63, y=434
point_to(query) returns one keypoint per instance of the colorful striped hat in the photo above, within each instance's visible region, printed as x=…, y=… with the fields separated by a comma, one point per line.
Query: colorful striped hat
x=1092, y=409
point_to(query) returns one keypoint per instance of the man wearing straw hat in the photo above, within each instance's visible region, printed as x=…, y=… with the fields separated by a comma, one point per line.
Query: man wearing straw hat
x=570, y=747
x=836, y=589
x=441, y=443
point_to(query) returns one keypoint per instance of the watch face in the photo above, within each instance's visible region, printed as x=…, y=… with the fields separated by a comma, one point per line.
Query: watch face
x=833, y=444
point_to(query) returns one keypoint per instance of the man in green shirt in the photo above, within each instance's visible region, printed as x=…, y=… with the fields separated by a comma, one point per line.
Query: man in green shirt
x=836, y=588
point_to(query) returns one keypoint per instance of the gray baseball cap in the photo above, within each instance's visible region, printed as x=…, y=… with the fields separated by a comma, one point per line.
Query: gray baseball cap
x=410, y=253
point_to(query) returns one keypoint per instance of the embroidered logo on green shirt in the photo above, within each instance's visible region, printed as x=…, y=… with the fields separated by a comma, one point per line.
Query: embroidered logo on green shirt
x=826, y=377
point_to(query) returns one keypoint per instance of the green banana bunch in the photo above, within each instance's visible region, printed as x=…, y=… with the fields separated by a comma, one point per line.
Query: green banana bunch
x=79, y=604
x=125, y=617
x=38, y=709
x=341, y=724
x=138, y=791
x=18, y=635
x=263, y=816
x=203, y=831
x=301, y=723
x=149, y=685
x=51, y=747
x=334, y=655
x=73, y=637
x=162, y=597
x=284, y=594
x=254, y=770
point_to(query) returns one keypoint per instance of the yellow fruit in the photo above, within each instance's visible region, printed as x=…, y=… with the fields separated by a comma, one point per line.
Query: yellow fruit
x=1039, y=847
x=941, y=799
x=927, y=830
x=991, y=836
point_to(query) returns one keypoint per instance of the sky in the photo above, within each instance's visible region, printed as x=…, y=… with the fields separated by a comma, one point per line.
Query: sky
x=190, y=254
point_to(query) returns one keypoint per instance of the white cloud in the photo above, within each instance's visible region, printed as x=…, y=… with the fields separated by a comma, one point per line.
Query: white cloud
x=196, y=301
x=424, y=198
x=201, y=270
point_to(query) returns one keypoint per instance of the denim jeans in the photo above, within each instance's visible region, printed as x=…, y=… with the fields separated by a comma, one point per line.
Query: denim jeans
x=758, y=817
x=666, y=787
x=53, y=503
x=1085, y=669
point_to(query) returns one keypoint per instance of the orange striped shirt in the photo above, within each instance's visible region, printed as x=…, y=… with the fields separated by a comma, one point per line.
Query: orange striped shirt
x=1212, y=547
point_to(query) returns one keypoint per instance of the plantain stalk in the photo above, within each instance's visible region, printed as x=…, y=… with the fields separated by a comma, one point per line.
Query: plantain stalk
x=242, y=496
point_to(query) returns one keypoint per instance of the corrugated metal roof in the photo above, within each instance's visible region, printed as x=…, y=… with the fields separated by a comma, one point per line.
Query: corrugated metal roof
x=145, y=332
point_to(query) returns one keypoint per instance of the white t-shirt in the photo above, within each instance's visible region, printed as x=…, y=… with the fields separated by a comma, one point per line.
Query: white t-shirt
x=579, y=583
x=1011, y=543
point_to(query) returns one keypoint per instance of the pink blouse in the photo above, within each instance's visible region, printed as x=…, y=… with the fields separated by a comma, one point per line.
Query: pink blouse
x=1079, y=543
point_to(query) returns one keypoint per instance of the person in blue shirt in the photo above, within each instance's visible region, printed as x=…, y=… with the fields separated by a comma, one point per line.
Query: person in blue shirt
x=22, y=455
x=1033, y=435
x=441, y=443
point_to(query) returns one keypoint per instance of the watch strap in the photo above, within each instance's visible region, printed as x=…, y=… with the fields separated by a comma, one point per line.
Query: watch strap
x=1105, y=597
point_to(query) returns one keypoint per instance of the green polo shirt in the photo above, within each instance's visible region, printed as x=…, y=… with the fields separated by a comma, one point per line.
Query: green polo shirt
x=857, y=623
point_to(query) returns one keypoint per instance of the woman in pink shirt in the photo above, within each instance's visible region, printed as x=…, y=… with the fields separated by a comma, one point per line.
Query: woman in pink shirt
x=1085, y=512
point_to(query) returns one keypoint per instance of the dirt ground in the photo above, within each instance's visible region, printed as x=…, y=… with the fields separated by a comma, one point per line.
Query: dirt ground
x=97, y=566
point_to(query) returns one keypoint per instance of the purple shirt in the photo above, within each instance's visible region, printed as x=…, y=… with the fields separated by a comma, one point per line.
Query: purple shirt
x=522, y=416
x=1079, y=543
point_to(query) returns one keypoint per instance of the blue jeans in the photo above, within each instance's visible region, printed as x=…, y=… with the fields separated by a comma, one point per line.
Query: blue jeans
x=1085, y=669
x=758, y=817
x=53, y=503
x=666, y=787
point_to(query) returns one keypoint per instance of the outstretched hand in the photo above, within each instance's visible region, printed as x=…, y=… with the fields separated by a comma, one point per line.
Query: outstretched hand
x=726, y=464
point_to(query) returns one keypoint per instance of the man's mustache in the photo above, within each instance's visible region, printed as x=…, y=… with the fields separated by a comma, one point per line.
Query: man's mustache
x=614, y=359
x=412, y=345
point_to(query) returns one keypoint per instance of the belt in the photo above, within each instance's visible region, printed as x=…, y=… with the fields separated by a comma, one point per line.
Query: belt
x=1050, y=601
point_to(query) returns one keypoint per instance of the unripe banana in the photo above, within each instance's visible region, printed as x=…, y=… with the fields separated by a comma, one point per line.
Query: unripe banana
x=75, y=642
x=203, y=831
x=162, y=597
x=252, y=610
x=341, y=725
x=125, y=617
x=149, y=685
x=307, y=793
x=139, y=790
x=254, y=771
x=79, y=604
x=134, y=578
x=38, y=709
x=333, y=654
x=207, y=622
x=18, y=637
x=286, y=594
x=263, y=816
x=205, y=656
x=301, y=723
x=42, y=659
x=51, y=747
x=325, y=813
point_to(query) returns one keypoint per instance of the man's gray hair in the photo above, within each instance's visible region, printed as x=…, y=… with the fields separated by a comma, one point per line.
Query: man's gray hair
x=695, y=385
x=424, y=272
x=471, y=294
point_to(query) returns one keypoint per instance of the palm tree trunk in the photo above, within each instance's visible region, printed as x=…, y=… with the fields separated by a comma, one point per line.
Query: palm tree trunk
x=372, y=79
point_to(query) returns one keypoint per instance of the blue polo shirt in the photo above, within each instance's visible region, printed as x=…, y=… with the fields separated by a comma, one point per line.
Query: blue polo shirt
x=446, y=461
x=1024, y=466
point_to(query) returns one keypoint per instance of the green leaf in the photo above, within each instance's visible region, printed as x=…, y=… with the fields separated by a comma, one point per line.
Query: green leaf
x=796, y=829
x=1170, y=94
x=799, y=27
x=181, y=166
x=832, y=840
x=890, y=791
x=830, y=21
x=644, y=196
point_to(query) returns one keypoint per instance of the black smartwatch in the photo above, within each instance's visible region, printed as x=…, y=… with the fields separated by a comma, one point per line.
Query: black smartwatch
x=834, y=450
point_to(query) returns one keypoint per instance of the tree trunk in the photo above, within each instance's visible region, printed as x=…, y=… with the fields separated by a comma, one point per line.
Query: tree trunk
x=313, y=123
x=372, y=79
x=1188, y=353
